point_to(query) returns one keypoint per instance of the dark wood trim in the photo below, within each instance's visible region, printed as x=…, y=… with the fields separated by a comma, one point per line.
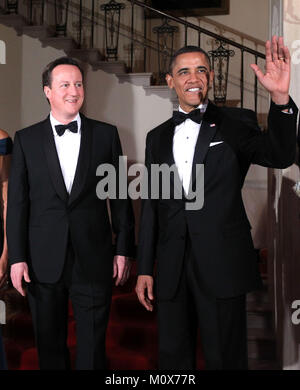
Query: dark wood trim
x=222, y=10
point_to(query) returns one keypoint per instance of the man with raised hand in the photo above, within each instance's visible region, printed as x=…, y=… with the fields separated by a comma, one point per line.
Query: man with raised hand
x=205, y=259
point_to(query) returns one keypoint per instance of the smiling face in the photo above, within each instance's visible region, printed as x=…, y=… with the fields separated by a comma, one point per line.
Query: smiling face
x=191, y=78
x=66, y=93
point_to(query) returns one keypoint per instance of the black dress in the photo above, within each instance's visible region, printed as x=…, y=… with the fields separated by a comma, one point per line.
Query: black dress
x=5, y=149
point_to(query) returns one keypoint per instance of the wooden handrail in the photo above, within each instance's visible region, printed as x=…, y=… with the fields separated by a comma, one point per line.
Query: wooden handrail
x=199, y=29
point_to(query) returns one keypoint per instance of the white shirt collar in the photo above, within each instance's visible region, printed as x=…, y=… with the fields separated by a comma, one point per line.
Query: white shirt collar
x=201, y=106
x=55, y=122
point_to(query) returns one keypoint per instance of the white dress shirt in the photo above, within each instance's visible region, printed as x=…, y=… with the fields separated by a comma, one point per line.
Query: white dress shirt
x=184, y=143
x=67, y=147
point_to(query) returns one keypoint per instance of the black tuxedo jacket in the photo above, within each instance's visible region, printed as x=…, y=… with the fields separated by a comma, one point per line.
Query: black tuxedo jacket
x=42, y=216
x=225, y=260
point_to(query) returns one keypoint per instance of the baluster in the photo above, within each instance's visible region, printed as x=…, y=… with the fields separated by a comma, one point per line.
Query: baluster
x=61, y=26
x=67, y=14
x=165, y=38
x=112, y=11
x=43, y=12
x=145, y=39
x=55, y=14
x=30, y=13
x=80, y=23
x=12, y=6
x=255, y=89
x=132, y=36
x=185, y=35
x=199, y=39
x=92, y=26
x=242, y=78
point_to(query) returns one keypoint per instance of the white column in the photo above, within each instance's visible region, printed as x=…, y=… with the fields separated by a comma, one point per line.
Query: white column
x=284, y=207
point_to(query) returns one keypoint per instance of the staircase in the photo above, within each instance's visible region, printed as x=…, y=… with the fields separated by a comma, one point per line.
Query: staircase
x=91, y=56
x=261, y=337
x=262, y=353
x=77, y=40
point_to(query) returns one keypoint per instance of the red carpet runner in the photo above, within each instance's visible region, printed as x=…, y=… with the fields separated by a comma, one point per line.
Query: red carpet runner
x=131, y=336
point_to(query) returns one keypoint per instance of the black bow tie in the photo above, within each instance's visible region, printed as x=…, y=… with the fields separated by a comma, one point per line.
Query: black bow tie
x=72, y=126
x=179, y=117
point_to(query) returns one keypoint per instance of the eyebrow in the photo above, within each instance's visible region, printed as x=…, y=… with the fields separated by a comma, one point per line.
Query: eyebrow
x=198, y=67
x=65, y=81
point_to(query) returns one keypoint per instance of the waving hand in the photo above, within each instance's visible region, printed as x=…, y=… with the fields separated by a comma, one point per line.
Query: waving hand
x=276, y=79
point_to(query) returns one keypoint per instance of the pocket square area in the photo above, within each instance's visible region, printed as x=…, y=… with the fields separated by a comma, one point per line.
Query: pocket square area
x=215, y=143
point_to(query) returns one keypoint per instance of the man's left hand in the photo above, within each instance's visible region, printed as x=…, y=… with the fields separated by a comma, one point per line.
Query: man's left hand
x=276, y=79
x=122, y=266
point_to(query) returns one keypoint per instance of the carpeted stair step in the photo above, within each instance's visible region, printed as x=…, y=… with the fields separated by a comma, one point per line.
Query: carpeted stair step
x=13, y=351
x=19, y=328
x=259, y=315
x=257, y=364
x=259, y=296
x=123, y=359
x=261, y=344
x=133, y=337
x=126, y=307
x=29, y=359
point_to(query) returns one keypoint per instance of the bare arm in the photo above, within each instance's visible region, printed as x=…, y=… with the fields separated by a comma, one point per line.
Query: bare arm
x=4, y=173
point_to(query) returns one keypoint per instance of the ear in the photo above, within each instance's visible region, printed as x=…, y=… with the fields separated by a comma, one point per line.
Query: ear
x=169, y=80
x=47, y=91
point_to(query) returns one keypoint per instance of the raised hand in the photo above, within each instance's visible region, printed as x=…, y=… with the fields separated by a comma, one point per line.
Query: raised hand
x=276, y=78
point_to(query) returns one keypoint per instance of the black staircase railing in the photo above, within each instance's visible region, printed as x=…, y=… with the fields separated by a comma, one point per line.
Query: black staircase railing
x=11, y=6
x=221, y=39
x=36, y=12
x=99, y=24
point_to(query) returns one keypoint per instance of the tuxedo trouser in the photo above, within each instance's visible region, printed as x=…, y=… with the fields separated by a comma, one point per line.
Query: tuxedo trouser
x=221, y=323
x=3, y=365
x=49, y=304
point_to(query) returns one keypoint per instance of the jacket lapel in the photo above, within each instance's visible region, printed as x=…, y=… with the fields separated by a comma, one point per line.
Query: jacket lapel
x=53, y=161
x=207, y=132
x=83, y=160
x=166, y=144
x=166, y=154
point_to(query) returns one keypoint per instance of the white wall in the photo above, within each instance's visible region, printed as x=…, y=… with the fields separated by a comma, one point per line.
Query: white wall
x=123, y=105
x=127, y=107
x=34, y=106
x=10, y=81
x=249, y=16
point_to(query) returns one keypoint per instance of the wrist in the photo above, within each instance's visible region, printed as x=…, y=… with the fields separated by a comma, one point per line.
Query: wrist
x=4, y=259
x=280, y=100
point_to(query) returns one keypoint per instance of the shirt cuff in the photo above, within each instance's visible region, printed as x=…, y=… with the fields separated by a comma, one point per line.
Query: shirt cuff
x=285, y=108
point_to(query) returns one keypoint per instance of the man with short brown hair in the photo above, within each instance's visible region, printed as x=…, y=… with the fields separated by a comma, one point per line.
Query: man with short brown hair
x=59, y=233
